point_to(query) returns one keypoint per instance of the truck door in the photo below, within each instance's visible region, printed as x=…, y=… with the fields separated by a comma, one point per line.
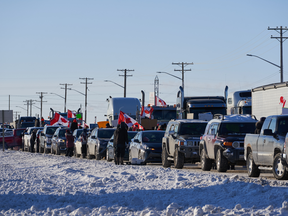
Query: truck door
x=171, y=139
x=266, y=145
x=210, y=139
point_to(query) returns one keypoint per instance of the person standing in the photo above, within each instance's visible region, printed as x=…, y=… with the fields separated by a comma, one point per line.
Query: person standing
x=84, y=137
x=74, y=125
x=120, y=138
x=69, y=143
x=32, y=140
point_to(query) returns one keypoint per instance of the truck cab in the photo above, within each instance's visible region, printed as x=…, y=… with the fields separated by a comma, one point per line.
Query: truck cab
x=239, y=102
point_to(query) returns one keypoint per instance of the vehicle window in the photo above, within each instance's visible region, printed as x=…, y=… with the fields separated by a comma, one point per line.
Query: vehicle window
x=272, y=125
x=105, y=133
x=213, y=129
x=176, y=128
x=229, y=100
x=152, y=137
x=131, y=135
x=282, y=127
x=62, y=133
x=236, y=128
x=51, y=130
x=192, y=129
x=78, y=132
x=171, y=128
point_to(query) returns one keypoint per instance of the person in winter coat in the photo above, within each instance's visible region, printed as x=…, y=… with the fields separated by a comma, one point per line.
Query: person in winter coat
x=84, y=137
x=120, y=138
x=259, y=125
x=74, y=125
x=69, y=143
x=32, y=140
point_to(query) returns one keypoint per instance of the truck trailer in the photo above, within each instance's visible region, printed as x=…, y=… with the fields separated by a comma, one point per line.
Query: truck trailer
x=270, y=100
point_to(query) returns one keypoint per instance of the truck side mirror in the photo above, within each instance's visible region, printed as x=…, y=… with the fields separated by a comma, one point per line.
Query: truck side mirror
x=267, y=132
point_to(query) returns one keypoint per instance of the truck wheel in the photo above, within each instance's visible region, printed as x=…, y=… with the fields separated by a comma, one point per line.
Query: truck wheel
x=279, y=167
x=178, y=159
x=107, y=155
x=74, y=152
x=221, y=161
x=165, y=161
x=206, y=163
x=252, y=169
x=57, y=151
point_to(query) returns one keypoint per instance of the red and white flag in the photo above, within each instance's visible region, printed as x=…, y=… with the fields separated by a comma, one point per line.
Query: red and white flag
x=146, y=112
x=71, y=114
x=123, y=117
x=59, y=120
x=159, y=102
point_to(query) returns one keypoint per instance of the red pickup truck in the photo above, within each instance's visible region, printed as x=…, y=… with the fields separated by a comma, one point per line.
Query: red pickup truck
x=12, y=138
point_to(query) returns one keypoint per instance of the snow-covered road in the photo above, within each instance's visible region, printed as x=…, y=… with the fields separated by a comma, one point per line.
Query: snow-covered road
x=39, y=184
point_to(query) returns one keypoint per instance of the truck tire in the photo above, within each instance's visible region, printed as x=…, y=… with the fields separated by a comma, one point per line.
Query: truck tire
x=178, y=159
x=107, y=156
x=252, y=169
x=206, y=163
x=221, y=161
x=279, y=167
x=97, y=155
x=57, y=151
x=165, y=161
x=88, y=154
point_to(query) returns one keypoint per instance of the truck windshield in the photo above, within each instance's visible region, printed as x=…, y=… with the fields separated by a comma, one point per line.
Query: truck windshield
x=213, y=110
x=245, y=110
x=51, y=130
x=236, y=128
x=195, y=129
x=164, y=114
x=105, y=133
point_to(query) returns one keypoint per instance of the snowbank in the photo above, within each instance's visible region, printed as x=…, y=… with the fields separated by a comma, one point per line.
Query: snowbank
x=41, y=184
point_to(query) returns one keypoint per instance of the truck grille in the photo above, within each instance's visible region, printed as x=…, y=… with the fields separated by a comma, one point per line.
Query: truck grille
x=193, y=143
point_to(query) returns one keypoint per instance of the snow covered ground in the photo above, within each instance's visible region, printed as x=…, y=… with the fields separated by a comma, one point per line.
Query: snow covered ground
x=38, y=184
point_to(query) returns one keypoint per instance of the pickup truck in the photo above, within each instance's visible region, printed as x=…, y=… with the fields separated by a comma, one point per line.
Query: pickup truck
x=267, y=150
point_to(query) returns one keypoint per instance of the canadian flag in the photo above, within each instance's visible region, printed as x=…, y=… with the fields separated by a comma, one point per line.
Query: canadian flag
x=71, y=114
x=146, y=112
x=123, y=117
x=59, y=120
x=159, y=102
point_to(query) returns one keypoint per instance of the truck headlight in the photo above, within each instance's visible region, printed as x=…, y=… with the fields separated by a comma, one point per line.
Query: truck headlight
x=145, y=147
x=236, y=144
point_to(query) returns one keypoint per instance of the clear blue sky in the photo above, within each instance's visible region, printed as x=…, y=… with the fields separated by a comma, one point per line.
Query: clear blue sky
x=45, y=43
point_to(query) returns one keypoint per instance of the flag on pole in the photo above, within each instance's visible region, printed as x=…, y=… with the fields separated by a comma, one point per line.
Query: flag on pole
x=59, y=120
x=146, y=112
x=159, y=101
x=71, y=114
x=123, y=117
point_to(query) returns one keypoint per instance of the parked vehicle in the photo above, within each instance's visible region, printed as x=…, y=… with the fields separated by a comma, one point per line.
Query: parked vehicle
x=37, y=141
x=270, y=100
x=181, y=142
x=146, y=146
x=58, y=141
x=8, y=137
x=27, y=137
x=267, y=150
x=239, y=102
x=26, y=121
x=17, y=135
x=110, y=148
x=223, y=141
x=200, y=107
x=130, y=106
x=45, y=138
x=97, y=142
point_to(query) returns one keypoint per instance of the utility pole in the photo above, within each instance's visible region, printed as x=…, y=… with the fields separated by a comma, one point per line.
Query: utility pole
x=41, y=102
x=27, y=103
x=86, y=88
x=66, y=84
x=281, y=39
x=156, y=88
x=9, y=103
x=183, y=64
x=125, y=77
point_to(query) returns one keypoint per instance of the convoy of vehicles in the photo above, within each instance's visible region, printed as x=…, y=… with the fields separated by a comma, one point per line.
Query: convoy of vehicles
x=180, y=143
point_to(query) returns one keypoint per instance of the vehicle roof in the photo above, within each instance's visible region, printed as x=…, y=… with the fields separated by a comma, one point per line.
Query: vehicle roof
x=235, y=118
x=189, y=121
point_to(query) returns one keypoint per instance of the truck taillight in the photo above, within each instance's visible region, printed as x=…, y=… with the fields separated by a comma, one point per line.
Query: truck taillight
x=227, y=143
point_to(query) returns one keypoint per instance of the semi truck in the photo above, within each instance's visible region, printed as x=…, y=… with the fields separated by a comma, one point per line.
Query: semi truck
x=130, y=106
x=199, y=107
x=270, y=100
x=239, y=102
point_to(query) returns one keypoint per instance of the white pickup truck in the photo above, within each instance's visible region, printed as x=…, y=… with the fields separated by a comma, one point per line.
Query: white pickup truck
x=267, y=150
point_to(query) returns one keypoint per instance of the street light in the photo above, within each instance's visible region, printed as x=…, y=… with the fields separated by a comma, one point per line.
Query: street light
x=117, y=85
x=23, y=109
x=85, y=101
x=61, y=97
x=170, y=75
x=281, y=71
